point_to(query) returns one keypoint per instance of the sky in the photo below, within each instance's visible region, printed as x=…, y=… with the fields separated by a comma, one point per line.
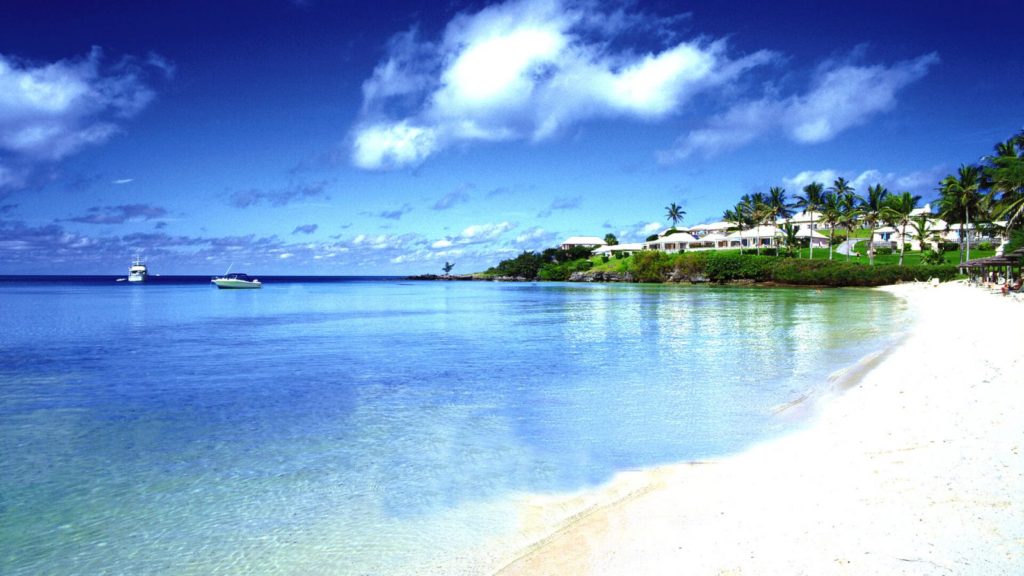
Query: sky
x=320, y=137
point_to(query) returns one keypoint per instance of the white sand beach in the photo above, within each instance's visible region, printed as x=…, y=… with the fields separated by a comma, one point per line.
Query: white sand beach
x=917, y=469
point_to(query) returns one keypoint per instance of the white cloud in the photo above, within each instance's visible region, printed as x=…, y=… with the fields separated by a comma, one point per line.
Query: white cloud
x=474, y=234
x=525, y=69
x=50, y=111
x=921, y=181
x=652, y=228
x=842, y=96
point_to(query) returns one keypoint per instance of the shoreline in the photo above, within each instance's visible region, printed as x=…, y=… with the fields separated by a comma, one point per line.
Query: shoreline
x=914, y=466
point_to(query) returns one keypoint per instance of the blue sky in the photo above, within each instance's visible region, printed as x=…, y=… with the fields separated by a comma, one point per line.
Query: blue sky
x=346, y=138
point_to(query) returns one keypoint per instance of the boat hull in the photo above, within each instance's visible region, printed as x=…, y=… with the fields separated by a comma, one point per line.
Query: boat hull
x=236, y=284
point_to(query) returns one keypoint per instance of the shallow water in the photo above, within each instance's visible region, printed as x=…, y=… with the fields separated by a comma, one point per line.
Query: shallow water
x=371, y=427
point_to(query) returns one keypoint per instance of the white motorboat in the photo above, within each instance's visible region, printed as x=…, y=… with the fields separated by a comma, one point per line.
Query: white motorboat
x=138, y=271
x=236, y=280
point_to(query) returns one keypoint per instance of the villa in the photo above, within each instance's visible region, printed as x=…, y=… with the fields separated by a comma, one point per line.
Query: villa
x=588, y=241
x=626, y=249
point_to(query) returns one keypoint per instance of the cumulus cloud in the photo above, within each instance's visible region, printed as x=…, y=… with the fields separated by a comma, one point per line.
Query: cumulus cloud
x=279, y=197
x=842, y=95
x=920, y=182
x=526, y=69
x=51, y=110
x=475, y=234
x=120, y=214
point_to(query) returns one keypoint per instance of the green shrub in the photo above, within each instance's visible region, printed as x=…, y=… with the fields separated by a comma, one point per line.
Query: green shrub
x=883, y=251
x=932, y=257
x=949, y=246
x=984, y=246
x=650, y=265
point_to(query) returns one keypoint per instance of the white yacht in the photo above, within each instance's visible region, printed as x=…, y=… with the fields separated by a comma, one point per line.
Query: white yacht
x=236, y=280
x=137, y=272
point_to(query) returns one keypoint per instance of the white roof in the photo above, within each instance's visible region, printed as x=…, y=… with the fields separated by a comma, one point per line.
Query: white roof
x=585, y=241
x=755, y=232
x=713, y=237
x=677, y=237
x=712, y=227
x=804, y=232
x=627, y=247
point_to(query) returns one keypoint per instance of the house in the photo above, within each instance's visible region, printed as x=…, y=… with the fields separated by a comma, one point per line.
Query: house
x=721, y=227
x=765, y=236
x=676, y=242
x=588, y=241
x=626, y=249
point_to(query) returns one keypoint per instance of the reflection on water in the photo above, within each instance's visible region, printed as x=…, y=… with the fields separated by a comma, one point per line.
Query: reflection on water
x=363, y=427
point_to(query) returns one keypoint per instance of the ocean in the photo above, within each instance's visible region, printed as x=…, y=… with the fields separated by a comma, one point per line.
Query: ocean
x=372, y=425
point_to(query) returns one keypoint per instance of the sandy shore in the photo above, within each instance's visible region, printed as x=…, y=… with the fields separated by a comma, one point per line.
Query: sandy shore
x=919, y=469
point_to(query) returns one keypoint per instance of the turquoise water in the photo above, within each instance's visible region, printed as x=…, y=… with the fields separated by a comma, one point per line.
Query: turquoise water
x=371, y=427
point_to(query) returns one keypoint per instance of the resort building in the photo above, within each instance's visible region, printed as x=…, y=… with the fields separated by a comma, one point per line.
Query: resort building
x=626, y=249
x=588, y=241
x=676, y=242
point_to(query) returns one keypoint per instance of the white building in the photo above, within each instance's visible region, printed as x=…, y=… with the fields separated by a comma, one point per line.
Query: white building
x=626, y=249
x=588, y=241
x=672, y=243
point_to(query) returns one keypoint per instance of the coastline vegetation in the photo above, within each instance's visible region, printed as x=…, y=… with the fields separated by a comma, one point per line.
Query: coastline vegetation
x=972, y=200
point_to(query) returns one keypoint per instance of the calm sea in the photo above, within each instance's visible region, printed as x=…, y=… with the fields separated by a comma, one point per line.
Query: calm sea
x=370, y=426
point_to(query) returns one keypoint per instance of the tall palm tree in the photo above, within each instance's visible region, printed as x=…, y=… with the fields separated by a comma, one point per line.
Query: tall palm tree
x=841, y=187
x=1004, y=176
x=809, y=203
x=896, y=211
x=756, y=205
x=777, y=206
x=675, y=213
x=848, y=215
x=964, y=192
x=922, y=227
x=871, y=212
x=831, y=214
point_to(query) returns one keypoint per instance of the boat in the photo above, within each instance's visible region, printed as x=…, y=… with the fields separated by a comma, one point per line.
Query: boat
x=236, y=280
x=137, y=272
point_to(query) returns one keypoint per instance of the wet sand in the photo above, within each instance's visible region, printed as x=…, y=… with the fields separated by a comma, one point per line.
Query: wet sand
x=916, y=467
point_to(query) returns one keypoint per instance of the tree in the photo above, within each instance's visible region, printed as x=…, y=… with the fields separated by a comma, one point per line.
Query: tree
x=756, y=211
x=610, y=239
x=1004, y=176
x=848, y=215
x=448, y=267
x=675, y=213
x=789, y=237
x=841, y=187
x=896, y=211
x=778, y=205
x=831, y=214
x=810, y=202
x=871, y=211
x=922, y=227
x=960, y=195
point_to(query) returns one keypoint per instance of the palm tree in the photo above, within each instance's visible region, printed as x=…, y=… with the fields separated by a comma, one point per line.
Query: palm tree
x=755, y=208
x=922, y=227
x=1004, y=175
x=848, y=218
x=610, y=239
x=963, y=192
x=789, y=237
x=831, y=214
x=675, y=213
x=809, y=203
x=896, y=211
x=841, y=187
x=871, y=211
x=448, y=267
